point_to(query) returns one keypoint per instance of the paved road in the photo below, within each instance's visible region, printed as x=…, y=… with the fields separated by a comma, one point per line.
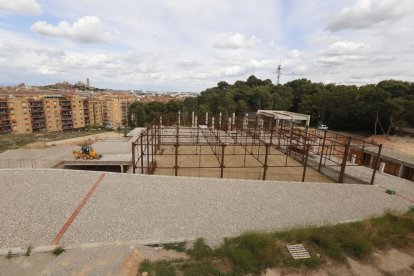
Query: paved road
x=35, y=204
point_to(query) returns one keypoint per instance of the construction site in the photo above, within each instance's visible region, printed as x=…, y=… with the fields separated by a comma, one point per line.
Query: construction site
x=267, y=145
x=206, y=177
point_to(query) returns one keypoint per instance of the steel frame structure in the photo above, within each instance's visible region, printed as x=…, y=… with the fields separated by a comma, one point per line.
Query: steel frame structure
x=261, y=137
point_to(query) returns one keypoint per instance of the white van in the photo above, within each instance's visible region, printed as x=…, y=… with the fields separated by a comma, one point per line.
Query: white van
x=323, y=127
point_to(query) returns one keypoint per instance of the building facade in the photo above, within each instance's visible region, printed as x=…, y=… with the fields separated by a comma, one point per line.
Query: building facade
x=20, y=115
x=26, y=114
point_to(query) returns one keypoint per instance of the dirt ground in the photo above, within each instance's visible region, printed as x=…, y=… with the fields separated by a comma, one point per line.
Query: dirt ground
x=125, y=259
x=74, y=141
x=48, y=154
x=116, y=259
x=388, y=262
x=238, y=164
x=402, y=144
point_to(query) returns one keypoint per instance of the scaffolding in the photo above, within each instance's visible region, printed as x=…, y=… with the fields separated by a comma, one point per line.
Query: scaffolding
x=271, y=142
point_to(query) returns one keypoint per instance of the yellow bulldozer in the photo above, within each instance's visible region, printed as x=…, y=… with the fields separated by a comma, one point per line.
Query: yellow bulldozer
x=86, y=153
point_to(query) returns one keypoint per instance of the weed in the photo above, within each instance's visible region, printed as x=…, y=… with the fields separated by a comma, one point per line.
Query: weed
x=205, y=267
x=145, y=266
x=159, y=268
x=390, y=192
x=253, y=253
x=200, y=250
x=9, y=254
x=58, y=250
x=29, y=250
x=179, y=246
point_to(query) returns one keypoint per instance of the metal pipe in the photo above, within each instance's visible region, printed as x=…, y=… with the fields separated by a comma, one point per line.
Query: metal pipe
x=376, y=164
x=305, y=164
x=323, y=147
x=344, y=159
x=133, y=157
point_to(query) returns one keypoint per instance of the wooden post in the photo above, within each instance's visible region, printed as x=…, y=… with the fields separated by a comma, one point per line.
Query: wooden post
x=376, y=164
x=323, y=147
x=344, y=159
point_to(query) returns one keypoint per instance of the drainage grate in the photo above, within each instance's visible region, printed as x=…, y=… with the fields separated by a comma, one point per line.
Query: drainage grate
x=298, y=251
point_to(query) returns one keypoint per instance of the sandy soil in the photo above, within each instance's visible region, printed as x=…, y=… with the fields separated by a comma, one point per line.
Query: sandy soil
x=280, y=167
x=387, y=262
x=48, y=154
x=104, y=260
x=402, y=144
x=73, y=141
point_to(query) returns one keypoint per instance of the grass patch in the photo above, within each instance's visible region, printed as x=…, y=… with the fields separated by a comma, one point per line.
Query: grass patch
x=160, y=268
x=9, y=254
x=178, y=246
x=390, y=192
x=29, y=250
x=253, y=253
x=58, y=250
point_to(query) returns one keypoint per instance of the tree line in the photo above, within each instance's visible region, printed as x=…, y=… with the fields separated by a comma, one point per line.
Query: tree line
x=375, y=108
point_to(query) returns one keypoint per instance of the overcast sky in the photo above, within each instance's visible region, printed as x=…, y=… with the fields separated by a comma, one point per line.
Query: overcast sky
x=182, y=45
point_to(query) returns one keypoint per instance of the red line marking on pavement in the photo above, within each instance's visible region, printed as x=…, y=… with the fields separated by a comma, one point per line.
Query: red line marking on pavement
x=406, y=198
x=65, y=227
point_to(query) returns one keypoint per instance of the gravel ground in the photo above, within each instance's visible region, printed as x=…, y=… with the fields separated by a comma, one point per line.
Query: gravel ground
x=36, y=204
x=152, y=207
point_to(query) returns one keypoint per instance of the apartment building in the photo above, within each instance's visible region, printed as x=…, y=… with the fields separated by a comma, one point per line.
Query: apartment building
x=78, y=113
x=115, y=112
x=20, y=115
x=37, y=113
x=5, y=125
x=26, y=114
x=52, y=112
x=66, y=113
x=95, y=108
x=86, y=115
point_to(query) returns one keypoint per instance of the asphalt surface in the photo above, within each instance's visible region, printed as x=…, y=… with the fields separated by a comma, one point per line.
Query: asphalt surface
x=35, y=205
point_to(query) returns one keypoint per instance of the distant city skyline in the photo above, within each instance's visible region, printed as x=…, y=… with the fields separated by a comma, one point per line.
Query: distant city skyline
x=190, y=46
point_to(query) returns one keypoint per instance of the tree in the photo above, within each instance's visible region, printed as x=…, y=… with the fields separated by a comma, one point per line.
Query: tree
x=401, y=111
x=136, y=115
x=282, y=97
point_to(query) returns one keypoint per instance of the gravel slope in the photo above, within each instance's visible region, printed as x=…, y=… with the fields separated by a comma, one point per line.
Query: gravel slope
x=35, y=204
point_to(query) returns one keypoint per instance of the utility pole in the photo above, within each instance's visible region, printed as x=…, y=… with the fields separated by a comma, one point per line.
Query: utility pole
x=279, y=69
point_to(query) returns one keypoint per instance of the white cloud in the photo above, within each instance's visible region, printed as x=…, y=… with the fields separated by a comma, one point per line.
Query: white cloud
x=27, y=7
x=371, y=13
x=235, y=41
x=160, y=45
x=341, y=52
x=341, y=48
x=87, y=29
x=294, y=54
x=187, y=63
